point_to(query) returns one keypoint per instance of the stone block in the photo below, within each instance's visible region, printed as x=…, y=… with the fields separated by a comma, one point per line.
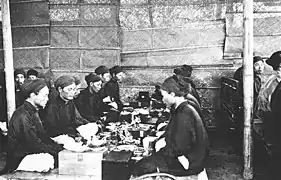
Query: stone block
x=64, y=59
x=99, y=15
x=67, y=14
x=173, y=16
x=134, y=18
x=64, y=37
x=258, y=6
x=94, y=58
x=193, y=34
x=134, y=59
x=263, y=45
x=136, y=40
x=202, y=56
x=184, y=2
x=29, y=13
x=63, y=1
x=133, y=2
x=99, y=37
x=28, y=58
x=265, y=24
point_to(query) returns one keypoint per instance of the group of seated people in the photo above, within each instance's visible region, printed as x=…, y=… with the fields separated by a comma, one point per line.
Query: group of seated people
x=267, y=101
x=49, y=111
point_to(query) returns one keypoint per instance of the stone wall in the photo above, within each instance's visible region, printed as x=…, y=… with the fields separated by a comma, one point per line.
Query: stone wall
x=147, y=37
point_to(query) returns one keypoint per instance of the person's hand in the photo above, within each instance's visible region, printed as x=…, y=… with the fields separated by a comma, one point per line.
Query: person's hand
x=160, y=144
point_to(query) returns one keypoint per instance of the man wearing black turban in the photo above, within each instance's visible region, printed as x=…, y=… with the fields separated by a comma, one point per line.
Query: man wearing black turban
x=111, y=88
x=61, y=115
x=89, y=102
x=26, y=134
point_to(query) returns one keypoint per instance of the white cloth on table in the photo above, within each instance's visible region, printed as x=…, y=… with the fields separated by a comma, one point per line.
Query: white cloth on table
x=88, y=131
x=42, y=162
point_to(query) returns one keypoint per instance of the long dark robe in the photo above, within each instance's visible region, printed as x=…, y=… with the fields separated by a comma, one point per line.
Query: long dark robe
x=90, y=105
x=185, y=135
x=275, y=129
x=61, y=117
x=26, y=135
x=111, y=89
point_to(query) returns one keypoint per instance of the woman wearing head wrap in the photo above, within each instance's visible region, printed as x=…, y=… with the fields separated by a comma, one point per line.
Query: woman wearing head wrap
x=61, y=116
x=32, y=74
x=103, y=73
x=19, y=75
x=185, y=144
x=26, y=134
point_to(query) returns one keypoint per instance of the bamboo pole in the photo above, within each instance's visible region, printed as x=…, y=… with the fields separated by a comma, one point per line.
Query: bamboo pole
x=8, y=58
x=248, y=86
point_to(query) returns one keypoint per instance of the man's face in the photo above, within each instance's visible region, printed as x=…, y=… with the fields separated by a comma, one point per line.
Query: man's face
x=168, y=99
x=106, y=77
x=19, y=79
x=259, y=67
x=32, y=77
x=120, y=76
x=77, y=90
x=68, y=92
x=41, y=99
x=96, y=86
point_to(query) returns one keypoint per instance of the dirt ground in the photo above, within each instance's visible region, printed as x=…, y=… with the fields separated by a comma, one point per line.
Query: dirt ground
x=225, y=161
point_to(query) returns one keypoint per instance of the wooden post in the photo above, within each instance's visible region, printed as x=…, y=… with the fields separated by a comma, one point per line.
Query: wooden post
x=8, y=58
x=248, y=87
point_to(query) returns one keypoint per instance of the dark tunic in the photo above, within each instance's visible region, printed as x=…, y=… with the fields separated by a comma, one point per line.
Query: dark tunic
x=238, y=75
x=275, y=129
x=90, y=105
x=111, y=89
x=185, y=135
x=26, y=135
x=60, y=118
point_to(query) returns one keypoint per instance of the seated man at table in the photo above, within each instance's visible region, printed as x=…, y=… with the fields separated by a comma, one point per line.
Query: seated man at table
x=112, y=89
x=26, y=134
x=60, y=115
x=184, y=147
x=89, y=102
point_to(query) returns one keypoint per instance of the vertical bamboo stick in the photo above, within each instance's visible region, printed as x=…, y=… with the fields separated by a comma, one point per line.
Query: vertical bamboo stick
x=8, y=58
x=248, y=86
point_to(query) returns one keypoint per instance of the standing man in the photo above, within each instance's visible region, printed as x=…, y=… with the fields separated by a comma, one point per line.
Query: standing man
x=26, y=134
x=60, y=115
x=19, y=75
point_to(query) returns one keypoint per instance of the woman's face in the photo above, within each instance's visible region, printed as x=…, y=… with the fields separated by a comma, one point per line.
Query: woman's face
x=278, y=70
x=259, y=67
x=68, y=92
x=168, y=98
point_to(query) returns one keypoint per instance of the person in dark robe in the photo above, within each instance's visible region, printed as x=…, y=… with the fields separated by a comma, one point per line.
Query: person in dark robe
x=19, y=76
x=26, y=134
x=274, y=123
x=184, y=73
x=184, y=148
x=258, y=70
x=32, y=74
x=61, y=115
x=89, y=102
x=112, y=89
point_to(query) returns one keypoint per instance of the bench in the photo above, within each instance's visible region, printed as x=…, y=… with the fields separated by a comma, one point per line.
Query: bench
x=232, y=104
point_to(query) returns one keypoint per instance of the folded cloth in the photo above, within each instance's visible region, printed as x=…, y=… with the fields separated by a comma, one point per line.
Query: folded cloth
x=42, y=162
x=88, y=131
x=3, y=128
x=63, y=139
